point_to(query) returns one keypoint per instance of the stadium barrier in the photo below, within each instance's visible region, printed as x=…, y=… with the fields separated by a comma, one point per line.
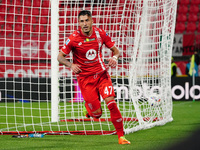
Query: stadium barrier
x=36, y=89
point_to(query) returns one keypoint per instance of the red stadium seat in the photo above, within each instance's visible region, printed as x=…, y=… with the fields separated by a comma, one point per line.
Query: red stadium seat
x=180, y=27
x=182, y=9
x=191, y=27
x=195, y=2
x=3, y=9
x=22, y=10
x=194, y=9
x=2, y=19
x=8, y=29
x=35, y=11
x=3, y=1
x=116, y=19
x=192, y=17
x=2, y=31
x=7, y=2
x=26, y=11
x=96, y=11
x=198, y=28
x=37, y=3
x=18, y=19
x=45, y=12
x=34, y=20
x=107, y=11
x=27, y=28
x=67, y=11
x=106, y=20
x=28, y=3
x=184, y=2
x=2, y=14
x=68, y=28
x=10, y=19
x=74, y=12
x=114, y=29
x=38, y=29
x=18, y=3
x=18, y=28
x=27, y=19
x=96, y=20
x=35, y=29
x=118, y=11
x=46, y=3
x=61, y=20
x=43, y=20
x=61, y=13
x=61, y=29
x=10, y=10
x=18, y=10
x=73, y=19
x=43, y=29
x=181, y=18
x=2, y=22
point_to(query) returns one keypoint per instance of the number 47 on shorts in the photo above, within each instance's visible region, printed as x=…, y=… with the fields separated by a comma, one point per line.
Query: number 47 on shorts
x=108, y=90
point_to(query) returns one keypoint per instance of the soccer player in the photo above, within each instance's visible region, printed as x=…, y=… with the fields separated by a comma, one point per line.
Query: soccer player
x=91, y=72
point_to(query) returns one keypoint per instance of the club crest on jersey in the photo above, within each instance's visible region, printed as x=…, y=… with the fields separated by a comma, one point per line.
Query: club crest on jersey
x=88, y=40
x=67, y=42
x=91, y=54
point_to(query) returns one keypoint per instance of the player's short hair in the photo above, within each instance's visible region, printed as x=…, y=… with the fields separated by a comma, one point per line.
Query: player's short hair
x=85, y=12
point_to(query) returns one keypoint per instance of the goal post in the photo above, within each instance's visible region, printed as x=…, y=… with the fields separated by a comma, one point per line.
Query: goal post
x=54, y=62
x=37, y=94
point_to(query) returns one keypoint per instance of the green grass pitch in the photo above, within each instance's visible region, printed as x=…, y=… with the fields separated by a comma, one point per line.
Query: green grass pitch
x=186, y=120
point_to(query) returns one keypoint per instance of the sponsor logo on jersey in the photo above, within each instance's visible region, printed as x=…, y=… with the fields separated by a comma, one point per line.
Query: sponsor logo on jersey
x=91, y=54
x=80, y=43
x=67, y=42
x=88, y=40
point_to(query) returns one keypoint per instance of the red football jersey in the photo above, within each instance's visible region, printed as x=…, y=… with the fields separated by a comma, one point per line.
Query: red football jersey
x=87, y=50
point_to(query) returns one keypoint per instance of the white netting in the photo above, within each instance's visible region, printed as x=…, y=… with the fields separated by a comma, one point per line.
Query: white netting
x=25, y=65
x=142, y=30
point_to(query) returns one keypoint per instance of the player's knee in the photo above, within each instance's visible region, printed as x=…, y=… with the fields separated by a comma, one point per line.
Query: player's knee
x=107, y=99
x=97, y=115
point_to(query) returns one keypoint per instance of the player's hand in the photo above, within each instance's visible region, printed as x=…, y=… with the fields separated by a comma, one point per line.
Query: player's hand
x=76, y=68
x=112, y=62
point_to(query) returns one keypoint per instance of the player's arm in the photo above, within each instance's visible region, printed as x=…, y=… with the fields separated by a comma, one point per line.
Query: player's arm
x=113, y=60
x=74, y=67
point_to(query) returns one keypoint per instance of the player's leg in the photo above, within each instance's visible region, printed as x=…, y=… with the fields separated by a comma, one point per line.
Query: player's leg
x=91, y=96
x=107, y=92
x=116, y=119
x=94, y=109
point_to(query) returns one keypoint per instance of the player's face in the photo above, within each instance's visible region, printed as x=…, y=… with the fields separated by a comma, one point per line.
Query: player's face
x=85, y=23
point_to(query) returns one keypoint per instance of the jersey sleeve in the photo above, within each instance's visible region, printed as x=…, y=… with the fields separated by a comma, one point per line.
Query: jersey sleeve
x=107, y=40
x=67, y=46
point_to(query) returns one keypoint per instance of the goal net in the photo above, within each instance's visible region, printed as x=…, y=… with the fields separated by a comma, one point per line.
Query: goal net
x=39, y=95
